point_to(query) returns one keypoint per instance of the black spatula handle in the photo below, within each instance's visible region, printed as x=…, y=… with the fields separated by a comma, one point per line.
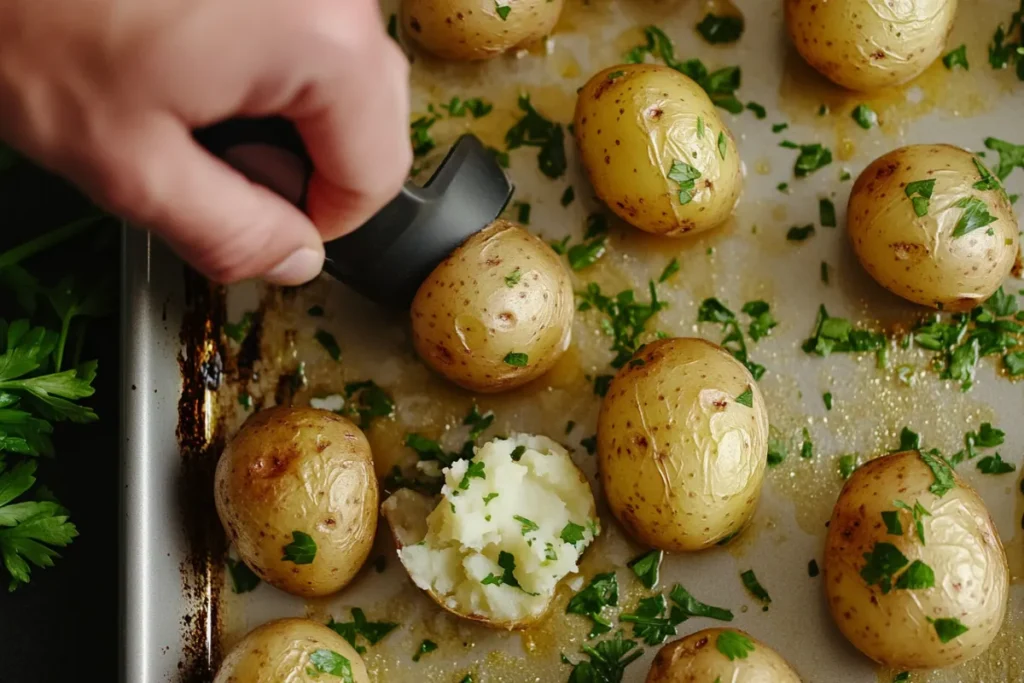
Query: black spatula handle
x=389, y=256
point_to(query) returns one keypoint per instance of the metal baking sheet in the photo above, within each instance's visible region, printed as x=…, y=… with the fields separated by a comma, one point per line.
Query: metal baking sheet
x=183, y=377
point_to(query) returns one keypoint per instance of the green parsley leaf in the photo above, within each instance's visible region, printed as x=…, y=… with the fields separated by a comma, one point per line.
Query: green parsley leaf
x=240, y=330
x=762, y=321
x=990, y=437
x=957, y=57
x=918, y=576
x=751, y=583
x=330, y=662
x=918, y=512
x=714, y=311
x=513, y=278
x=909, y=440
x=302, y=549
x=799, y=234
x=1010, y=156
x=527, y=525
x=920, y=193
x=883, y=562
x=779, y=127
x=329, y=343
x=944, y=481
x=988, y=181
x=776, y=452
x=689, y=606
x=608, y=661
x=827, y=399
x=648, y=622
x=847, y=465
x=477, y=423
x=686, y=175
x=372, y=631
x=474, y=471
x=533, y=130
x=824, y=272
x=700, y=127
x=568, y=196
x=722, y=144
x=517, y=453
x=572, y=534
x=734, y=645
x=626, y=318
x=427, y=646
x=366, y=401
x=746, y=398
x=948, y=628
x=671, y=269
x=844, y=175
x=518, y=360
x=586, y=254
x=827, y=213
x=759, y=111
x=419, y=135
x=807, y=447
x=489, y=497
x=243, y=579
x=647, y=568
x=601, y=384
x=1014, y=363
x=717, y=30
x=503, y=10
x=901, y=677
x=812, y=158
x=865, y=116
x=974, y=217
x=590, y=444
x=523, y=213
x=812, y=569
x=891, y=518
x=837, y=335
x=603, y=591
x=993, y=464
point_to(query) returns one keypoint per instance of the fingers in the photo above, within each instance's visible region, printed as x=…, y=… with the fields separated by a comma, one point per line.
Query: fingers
x=358, y=137
x=227, y=227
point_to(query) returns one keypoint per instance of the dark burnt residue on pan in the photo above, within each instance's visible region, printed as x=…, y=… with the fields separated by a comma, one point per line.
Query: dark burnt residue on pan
x=202, y=371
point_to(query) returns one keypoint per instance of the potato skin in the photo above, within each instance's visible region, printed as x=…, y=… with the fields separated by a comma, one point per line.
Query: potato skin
x=632, y=123
x=299, y=469
x=280, y=651
x=696, y=659
x=870, y=44
x=961, y=546
x=472, y=30
x=917, y=257
x=466, y=317
x=681, y=461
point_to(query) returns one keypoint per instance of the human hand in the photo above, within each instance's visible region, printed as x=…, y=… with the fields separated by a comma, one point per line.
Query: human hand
x=108, y=92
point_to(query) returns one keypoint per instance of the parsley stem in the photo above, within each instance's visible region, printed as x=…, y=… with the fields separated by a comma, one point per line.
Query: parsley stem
x=47, y=240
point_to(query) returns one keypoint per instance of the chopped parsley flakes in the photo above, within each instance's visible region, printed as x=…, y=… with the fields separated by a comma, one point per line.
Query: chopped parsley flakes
x=734, y=645
x=717, y=30
x=686, y=175
x=646, y=567
x=957, y=57
x=920, y=193
x=533, y=130
x=603, y=591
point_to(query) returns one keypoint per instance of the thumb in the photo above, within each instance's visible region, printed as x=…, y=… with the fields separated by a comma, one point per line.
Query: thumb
x=224, y=225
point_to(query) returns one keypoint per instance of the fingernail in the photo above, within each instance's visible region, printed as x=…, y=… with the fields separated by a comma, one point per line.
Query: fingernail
x=301, y=266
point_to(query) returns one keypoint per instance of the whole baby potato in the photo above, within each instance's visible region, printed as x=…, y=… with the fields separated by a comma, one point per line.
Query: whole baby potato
x=870, y=44
x=656, y=151
x=719, y=654
x=682, y=442
x=292, y=650
x=477, y=29
x=497, y=312
x=932, y=224
x=297, y=494
x=915, y=573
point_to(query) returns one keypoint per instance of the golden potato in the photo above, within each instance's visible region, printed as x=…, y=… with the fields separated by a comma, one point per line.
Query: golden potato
x=297, y=493
x=932, y=224
x=293, y=650
x=477, y=29
x=656, y=151
x=870, y=44
x=682, y=442
x=497, y=313
x=495, y=546
x=719, y=654
x=914, y=572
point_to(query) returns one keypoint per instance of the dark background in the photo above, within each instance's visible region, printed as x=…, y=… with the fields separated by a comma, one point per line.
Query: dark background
x=64, y=624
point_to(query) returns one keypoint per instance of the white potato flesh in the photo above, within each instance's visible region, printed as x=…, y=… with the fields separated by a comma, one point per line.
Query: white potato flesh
x=634, y=124
x=700, y=658
x=476, y=29
x=915, y=246
x=682, y=441
x=900, y=627
x=870, y=44
x=292, y=650
x=515, y=499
